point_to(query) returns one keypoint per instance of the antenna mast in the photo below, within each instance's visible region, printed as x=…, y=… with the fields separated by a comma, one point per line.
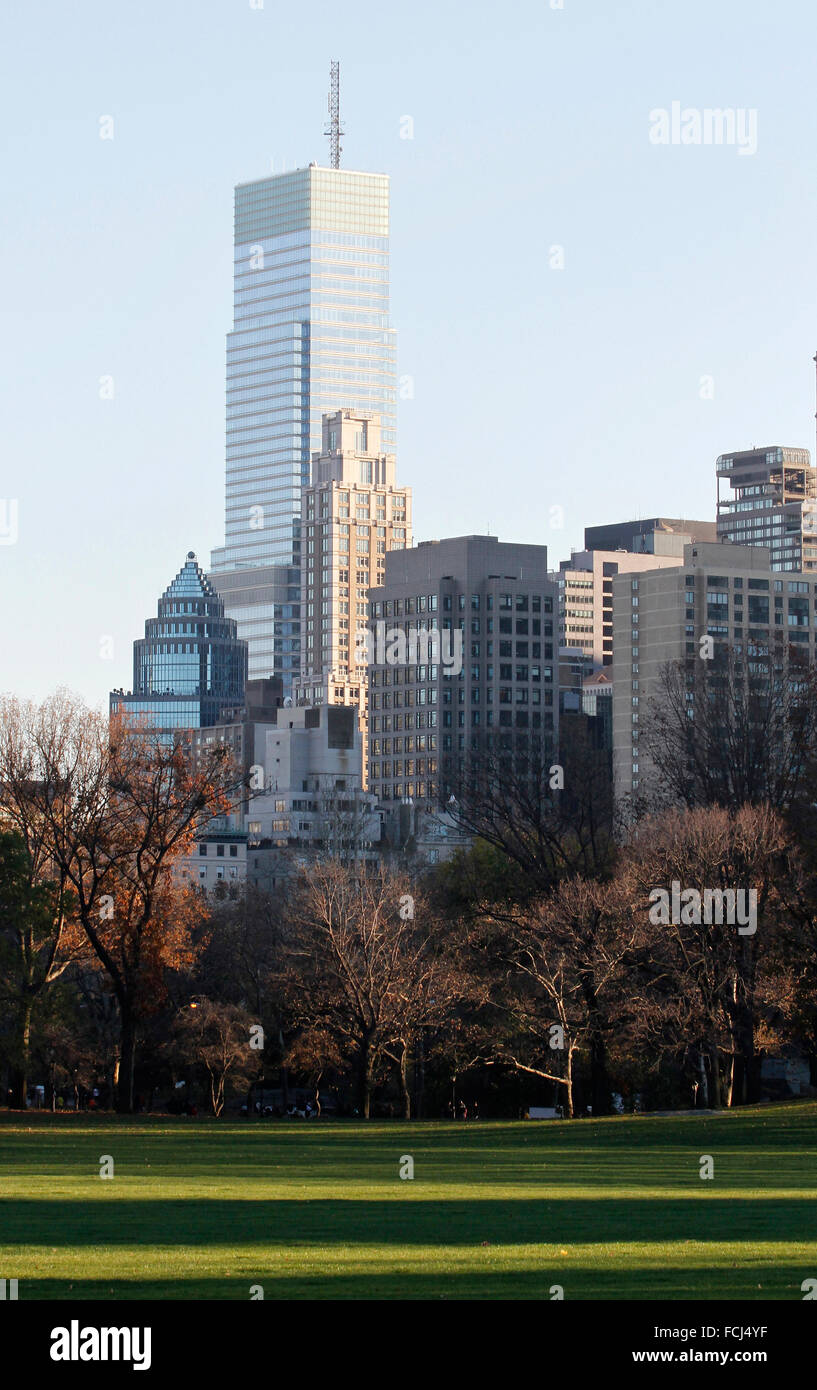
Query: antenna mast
x=333, y=130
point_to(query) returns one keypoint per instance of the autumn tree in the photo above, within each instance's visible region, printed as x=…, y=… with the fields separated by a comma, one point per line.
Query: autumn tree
x=118, y=807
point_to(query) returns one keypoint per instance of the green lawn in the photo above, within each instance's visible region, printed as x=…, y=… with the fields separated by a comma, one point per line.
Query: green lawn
x=606, y=1209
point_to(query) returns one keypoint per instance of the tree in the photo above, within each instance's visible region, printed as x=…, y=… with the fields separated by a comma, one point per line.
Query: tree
x=550, y=815
x=216, y=1037
x=117, y=807
x=243, y=963
x=367, y=971
x=38, y=939
x=567, y=955
x=712, y=851
x=738, y=729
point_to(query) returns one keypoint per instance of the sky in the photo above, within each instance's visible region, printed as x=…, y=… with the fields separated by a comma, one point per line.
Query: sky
x=589, y=317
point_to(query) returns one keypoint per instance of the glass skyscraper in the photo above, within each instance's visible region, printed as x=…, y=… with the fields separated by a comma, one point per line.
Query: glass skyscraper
x=311, y=334
x=191, y=665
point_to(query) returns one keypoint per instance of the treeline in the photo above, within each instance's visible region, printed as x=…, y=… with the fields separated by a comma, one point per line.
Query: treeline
x=564, y=960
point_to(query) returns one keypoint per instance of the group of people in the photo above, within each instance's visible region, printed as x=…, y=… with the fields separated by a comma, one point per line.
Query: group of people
x=460, y=1111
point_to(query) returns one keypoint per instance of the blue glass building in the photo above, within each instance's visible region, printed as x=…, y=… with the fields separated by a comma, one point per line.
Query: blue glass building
x=191, y=666
x=311, y=334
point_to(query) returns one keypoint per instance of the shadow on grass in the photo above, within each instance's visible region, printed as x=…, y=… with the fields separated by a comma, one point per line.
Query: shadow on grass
x=695, y=1283
x=409, y=1220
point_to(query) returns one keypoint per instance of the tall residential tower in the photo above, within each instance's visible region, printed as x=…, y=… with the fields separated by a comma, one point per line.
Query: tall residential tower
x=772, y=502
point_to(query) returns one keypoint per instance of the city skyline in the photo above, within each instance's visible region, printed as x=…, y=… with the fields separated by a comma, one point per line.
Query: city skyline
x=627, y=365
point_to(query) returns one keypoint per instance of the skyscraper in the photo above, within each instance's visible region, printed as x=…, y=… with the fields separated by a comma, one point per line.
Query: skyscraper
x=190, y=666
x=353, y=514
x=310, y=335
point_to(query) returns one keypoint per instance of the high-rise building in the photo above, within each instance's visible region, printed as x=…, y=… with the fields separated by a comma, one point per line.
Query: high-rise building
x=352, y=515
x=311, y=334
x=191, y=665
x=462, y=659
x=772, y=502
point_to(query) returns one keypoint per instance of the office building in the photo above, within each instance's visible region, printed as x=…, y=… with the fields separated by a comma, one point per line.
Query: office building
x=191, y=665
x=311, y=796
x=311, y=334
x=770, y=500
x=461, y=659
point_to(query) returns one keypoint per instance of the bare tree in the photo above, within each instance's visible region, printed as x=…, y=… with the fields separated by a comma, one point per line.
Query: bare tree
x=216, y=1037
x=712, y=851
x=367, y=970
x=550, y=814
x=738, y=728
x=566, y=957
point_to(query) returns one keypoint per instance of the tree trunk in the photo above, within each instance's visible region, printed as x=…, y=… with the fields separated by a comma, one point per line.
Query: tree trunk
x=127, y=1061
x=704, y=1083
x=364, y=1079
x=20, y=1072
x=715, y=1076
x=569, y=1085
x=405, y=1098
x=600, y=1089
x=420, y=1077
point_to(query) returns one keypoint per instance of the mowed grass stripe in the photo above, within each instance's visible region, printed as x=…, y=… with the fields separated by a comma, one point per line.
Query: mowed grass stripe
x=495, y=1210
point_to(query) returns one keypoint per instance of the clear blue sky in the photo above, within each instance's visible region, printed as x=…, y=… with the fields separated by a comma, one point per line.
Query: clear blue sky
x=534, y=388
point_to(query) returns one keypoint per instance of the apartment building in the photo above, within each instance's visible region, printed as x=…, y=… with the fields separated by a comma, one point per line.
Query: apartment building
x=353, y=514
x=728, y=593
x=585, y=600
x=770, y=499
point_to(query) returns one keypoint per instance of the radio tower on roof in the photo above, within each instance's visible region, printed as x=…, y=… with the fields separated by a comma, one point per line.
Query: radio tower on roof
x=333, y=130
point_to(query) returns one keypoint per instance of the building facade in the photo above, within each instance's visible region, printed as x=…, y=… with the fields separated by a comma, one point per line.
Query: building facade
x=311, y=333
x=461, y=657
x=191, y=665
x=728, y=593
x=771, y=501
x=353, y=514
x=585, y=589
x=310, y=796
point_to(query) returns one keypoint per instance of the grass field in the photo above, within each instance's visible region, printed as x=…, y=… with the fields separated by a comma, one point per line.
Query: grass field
x=611, y=1209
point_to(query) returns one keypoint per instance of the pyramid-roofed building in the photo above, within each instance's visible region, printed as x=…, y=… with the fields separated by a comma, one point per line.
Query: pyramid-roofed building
x=191, y=666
